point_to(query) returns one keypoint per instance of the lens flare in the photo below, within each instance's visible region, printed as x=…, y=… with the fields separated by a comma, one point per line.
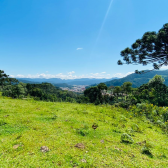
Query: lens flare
x=101, y=28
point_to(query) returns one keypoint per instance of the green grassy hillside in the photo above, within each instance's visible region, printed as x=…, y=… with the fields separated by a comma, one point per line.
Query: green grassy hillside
x=27, y=125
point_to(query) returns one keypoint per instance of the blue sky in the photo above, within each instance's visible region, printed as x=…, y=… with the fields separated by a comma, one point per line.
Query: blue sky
x=74, y=38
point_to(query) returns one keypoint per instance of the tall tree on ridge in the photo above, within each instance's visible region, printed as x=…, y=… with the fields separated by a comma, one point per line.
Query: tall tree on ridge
x=151, y=48
x=3, y=78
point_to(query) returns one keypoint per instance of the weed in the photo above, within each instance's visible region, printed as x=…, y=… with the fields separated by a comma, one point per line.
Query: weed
x=85, y=112
x=123, y=118
x=19, y=136
x=54, y=117
x=136, y=128
x=83, y=131
x=2, y=122
x=146, y=150
x=116, y=130
x=162, y=156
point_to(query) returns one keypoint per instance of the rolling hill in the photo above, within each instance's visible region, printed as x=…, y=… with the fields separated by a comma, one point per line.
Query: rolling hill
x=138, y=79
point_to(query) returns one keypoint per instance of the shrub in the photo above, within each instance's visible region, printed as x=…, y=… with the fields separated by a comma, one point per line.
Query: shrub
x=155, y=114
x=165, y=116
x=116, y=104
x=161, y=124
x=124, y=104
x=126, y=138
x=97, y=102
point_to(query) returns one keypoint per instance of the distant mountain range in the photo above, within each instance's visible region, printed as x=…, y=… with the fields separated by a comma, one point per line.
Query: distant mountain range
x=138, y=79
x=62, y=82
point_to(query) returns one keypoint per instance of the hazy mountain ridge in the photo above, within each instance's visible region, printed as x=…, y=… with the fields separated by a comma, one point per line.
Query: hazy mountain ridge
x=136, y=80
x=82, y=81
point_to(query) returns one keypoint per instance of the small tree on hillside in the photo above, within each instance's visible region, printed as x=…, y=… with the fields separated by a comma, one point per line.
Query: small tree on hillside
x=117, y=90
x=155, y=92
x=102, y=86
x=94, y=93
x=127, y=87
x=159, y=89
x=157, y=79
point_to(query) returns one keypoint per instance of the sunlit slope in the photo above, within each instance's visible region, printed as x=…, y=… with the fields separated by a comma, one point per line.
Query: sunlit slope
x=26, y=126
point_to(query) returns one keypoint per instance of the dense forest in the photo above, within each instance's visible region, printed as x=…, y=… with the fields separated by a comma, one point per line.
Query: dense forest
x=11, y=87
x=44, y=91
x=154, y=91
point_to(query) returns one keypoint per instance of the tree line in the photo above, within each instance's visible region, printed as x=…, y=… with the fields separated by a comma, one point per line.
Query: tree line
x=154, y=92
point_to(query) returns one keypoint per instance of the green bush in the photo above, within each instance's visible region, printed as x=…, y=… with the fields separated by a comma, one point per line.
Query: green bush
x=126, y=138
x=165, y=116
x=160, y=124
x=124, y=104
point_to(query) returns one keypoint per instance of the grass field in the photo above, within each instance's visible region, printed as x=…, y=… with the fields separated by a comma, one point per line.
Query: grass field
x=27, y=125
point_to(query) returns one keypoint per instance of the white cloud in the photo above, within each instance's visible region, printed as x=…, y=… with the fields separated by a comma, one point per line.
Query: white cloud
x=71, y=75
x=79, y=49
x=121, y=75
x=20, y=76
x=164, y=68
x=12, y=76
x=99, y=75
